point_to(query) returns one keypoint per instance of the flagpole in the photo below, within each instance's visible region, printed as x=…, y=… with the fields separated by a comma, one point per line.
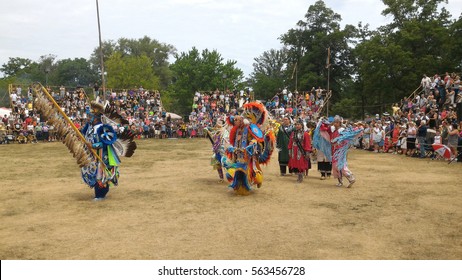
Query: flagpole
x=296, y=81
x=328, y=79
x=101, y=54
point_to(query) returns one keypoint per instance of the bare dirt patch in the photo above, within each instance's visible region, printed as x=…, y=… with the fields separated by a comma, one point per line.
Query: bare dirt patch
x=169, y=205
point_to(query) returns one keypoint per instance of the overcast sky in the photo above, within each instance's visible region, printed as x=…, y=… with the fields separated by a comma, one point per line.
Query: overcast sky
x=238, y=29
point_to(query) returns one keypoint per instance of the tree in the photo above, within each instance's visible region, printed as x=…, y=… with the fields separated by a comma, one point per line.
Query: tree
x=28, y=71
x=16, y=66
x=420, y=28
x=157, y=52
x=384, y=71
x=269, y=74
x=390, y=61
x=73, y=72
x=455, y=53
x=308, y=46
x=130, y=72
x=194, y=71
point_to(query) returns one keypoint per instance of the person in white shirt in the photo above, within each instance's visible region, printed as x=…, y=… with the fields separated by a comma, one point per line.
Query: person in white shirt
x=426, y=84
x=14, y=97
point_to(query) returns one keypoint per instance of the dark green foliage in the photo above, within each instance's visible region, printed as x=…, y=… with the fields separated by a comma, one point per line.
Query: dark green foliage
x=195, y=71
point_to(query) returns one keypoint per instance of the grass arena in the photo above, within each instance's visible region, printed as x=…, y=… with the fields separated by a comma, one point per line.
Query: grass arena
x=170, y=205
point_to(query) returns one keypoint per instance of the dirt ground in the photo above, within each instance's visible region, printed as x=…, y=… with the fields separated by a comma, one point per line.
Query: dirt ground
x=169, y=205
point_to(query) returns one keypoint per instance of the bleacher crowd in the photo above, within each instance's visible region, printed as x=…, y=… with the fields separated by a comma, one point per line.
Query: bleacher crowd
x=428, y=116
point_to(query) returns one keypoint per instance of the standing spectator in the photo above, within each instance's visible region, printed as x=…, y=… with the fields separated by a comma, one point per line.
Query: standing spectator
x=45, y=132
x=450, y=97
x=367, y=136
x=456, y=84
x=402, y=141
x=14, y=101
x=411, y=137
x=453, y=138
x=62, y=92
x=426, y=84
x=421, y=137
x=378, y=136
x=444, y=132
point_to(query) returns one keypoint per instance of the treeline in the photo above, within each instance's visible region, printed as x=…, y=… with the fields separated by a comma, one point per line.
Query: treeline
x=368, y=69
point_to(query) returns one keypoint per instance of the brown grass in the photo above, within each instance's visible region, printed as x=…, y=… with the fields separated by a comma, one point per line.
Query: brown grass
x=170, y=206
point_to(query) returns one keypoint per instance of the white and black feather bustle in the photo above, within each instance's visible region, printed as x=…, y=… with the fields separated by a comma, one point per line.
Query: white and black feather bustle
x=110, y=112
x=125, y=146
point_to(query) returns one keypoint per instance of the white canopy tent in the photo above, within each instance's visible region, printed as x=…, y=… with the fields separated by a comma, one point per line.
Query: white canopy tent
x=173, y=116
x=4, y=111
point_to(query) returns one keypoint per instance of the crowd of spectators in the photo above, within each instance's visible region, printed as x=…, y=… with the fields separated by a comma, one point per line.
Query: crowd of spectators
x=306, y=105
x=427, y=117
x=142, y=108
x=208, y=107
x=412, y=126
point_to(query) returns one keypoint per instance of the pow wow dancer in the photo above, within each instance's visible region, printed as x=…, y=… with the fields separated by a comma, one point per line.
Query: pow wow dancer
x=251, y=143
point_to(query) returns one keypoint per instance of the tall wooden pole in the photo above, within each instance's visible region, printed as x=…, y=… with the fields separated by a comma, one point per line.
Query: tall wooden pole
x=328, y=80
x=101, y=54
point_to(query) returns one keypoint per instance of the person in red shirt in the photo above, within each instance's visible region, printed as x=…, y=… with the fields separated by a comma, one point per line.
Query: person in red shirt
x=394, y=138
x=444, y=114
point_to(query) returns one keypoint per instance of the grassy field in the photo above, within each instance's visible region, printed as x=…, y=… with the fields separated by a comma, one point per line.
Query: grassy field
x=169, y=205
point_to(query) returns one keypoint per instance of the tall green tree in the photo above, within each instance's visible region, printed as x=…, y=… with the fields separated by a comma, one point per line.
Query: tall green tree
x=159, y=54
x=384, y=73
x=16, y=66
x=269, y=74
x=455, y=53
x=390, y=62
x=27, y=71
x=73, y=72
x=422, y=28
x=201, y=71
x=44, y=69
x=130, y=72
x=308, y=46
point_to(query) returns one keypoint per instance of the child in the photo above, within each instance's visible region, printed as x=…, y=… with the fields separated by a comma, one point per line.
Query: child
x=437, y=140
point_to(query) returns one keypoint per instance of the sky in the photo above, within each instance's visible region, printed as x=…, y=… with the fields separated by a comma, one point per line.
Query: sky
x=239, y=30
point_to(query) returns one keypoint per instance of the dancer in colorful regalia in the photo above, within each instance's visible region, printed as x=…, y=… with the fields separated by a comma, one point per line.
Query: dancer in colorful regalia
x=218, y=136
x=251, y=140
x=282, y=144
x=97, y=148
x=341, y=140
x=321, y=142
x=299, y=150
x=99, y=132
